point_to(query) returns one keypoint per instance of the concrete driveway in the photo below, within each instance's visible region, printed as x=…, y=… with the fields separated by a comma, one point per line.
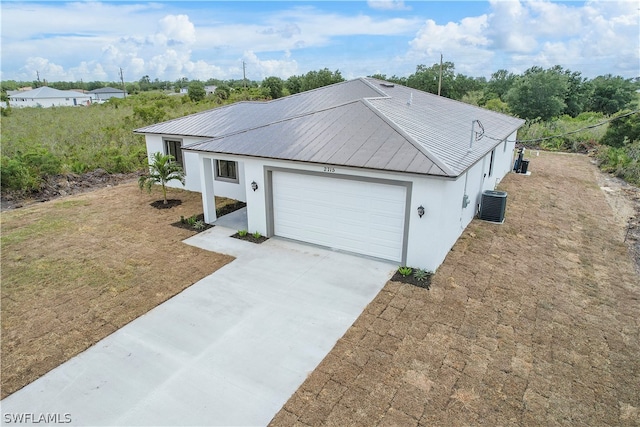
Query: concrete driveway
x=229, y=350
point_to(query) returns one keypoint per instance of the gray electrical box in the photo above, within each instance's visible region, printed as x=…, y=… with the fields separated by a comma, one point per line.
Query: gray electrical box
x=493, y=206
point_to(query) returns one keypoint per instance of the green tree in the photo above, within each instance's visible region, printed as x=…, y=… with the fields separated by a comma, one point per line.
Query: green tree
x=538, y=93
x=578, y=93
x=145, y=83
x=162, y=170
x=294, y=84
x=427, y=78
x=223, y=91
x=611, y=94
x=452, y=85
x=623, y=131
x=273, y=87
x=196, y=91
x=496, y=104
x=499, y=84
x=321, y=78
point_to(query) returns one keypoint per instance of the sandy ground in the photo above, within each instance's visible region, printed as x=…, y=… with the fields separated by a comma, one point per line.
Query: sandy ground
x=533, y=322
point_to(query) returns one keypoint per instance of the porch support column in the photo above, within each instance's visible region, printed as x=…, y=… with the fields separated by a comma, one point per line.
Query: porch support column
x=208, y=196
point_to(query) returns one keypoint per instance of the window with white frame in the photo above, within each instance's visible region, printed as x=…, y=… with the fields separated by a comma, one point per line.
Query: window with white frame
x=227, y=170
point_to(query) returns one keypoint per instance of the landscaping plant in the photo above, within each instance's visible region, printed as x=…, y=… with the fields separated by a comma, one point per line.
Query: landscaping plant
x=405, y=271
x=162, y=169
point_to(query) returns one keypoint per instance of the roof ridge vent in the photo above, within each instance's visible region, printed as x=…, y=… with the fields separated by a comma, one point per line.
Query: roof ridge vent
x=386, y=84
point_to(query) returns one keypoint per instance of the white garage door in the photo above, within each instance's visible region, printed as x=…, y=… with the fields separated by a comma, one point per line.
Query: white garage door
x=356, y=216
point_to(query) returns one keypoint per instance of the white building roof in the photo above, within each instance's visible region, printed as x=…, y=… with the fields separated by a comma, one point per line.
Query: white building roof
x=364, y=123
x=46, y=92
x=106, y=90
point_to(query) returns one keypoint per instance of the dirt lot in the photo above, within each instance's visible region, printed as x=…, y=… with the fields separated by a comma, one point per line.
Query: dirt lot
x=532, y=322
x=78, y=268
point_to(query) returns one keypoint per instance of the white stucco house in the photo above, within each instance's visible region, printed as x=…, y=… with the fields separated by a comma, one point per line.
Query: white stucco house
x=49, y=97
x=364, y=166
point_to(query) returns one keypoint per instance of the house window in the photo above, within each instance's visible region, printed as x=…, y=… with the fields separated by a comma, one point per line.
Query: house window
x=493, y=154
x=226, y=170
x=174, y=147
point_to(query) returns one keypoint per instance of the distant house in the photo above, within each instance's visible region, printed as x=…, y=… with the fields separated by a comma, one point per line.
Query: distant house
x=105, y=93
x=48, y=97
x=364, y=166
x=210, y=89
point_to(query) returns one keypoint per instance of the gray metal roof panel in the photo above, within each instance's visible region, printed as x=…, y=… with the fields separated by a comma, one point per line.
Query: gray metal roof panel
x=443, y=126
x=320, y=138
x=250, y=114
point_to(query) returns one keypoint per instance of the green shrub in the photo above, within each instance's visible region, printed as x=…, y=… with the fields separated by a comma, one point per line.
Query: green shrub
x=623, y=162
x=256, y=235
x=421, y=275
x=14, y=175
x=42, y=161
x=242, y=233
x=405, y=271
x=78, y=167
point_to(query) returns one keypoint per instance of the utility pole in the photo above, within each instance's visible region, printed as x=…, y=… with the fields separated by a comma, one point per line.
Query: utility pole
x=38, y=76
x=244, y=74
x=124, y=89
x=440, y=78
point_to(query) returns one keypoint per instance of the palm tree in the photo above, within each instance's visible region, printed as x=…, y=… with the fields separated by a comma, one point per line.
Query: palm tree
x=162, y=169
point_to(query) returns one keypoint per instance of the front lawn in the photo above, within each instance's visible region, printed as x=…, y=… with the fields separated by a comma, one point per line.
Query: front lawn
x=76, y=269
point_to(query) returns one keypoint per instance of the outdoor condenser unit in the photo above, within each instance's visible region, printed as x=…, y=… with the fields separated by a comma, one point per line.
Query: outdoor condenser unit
x=493, y=206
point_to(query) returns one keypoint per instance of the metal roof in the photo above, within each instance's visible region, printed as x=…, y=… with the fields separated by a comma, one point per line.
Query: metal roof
x=106, y=90
x=250, y=114
x=365, y=123
x=48, y=92
x=349, y=135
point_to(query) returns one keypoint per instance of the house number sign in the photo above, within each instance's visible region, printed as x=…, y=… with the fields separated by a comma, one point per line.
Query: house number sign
x=329, y=169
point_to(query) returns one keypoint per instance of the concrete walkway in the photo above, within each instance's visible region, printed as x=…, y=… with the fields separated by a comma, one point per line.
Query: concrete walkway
x=229, y=350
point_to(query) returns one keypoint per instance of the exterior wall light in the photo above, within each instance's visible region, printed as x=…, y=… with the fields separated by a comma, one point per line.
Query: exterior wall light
x=254, y=185
x=420, y=211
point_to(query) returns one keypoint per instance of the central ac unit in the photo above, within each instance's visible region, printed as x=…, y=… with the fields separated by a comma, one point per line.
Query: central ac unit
x=493, y=206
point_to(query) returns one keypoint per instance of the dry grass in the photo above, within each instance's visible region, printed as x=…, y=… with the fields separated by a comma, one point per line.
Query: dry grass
x=76, y=269
x=534, y=322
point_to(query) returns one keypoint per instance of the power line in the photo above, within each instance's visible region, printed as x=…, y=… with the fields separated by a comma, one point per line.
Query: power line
x=570, y=132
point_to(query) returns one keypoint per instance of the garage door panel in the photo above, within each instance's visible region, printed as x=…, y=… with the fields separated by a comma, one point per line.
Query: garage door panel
x=356, y=216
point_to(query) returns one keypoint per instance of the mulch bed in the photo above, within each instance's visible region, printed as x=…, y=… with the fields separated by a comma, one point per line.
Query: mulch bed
x=186, y=225
x=250, y=238
x=227, y=209
x=426, y=283
x=159, y=204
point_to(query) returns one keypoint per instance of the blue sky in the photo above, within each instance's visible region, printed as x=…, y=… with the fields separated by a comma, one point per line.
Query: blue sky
x=169, y=40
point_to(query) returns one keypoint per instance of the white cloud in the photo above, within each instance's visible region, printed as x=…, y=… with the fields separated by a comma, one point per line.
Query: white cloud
x=258, y=69
x=177, y=29
x=170, y=40
x=388, y=5
x=597, y=38
x=463, y=43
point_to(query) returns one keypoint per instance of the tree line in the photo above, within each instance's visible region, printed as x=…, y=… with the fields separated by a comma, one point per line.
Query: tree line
x=537, y=93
